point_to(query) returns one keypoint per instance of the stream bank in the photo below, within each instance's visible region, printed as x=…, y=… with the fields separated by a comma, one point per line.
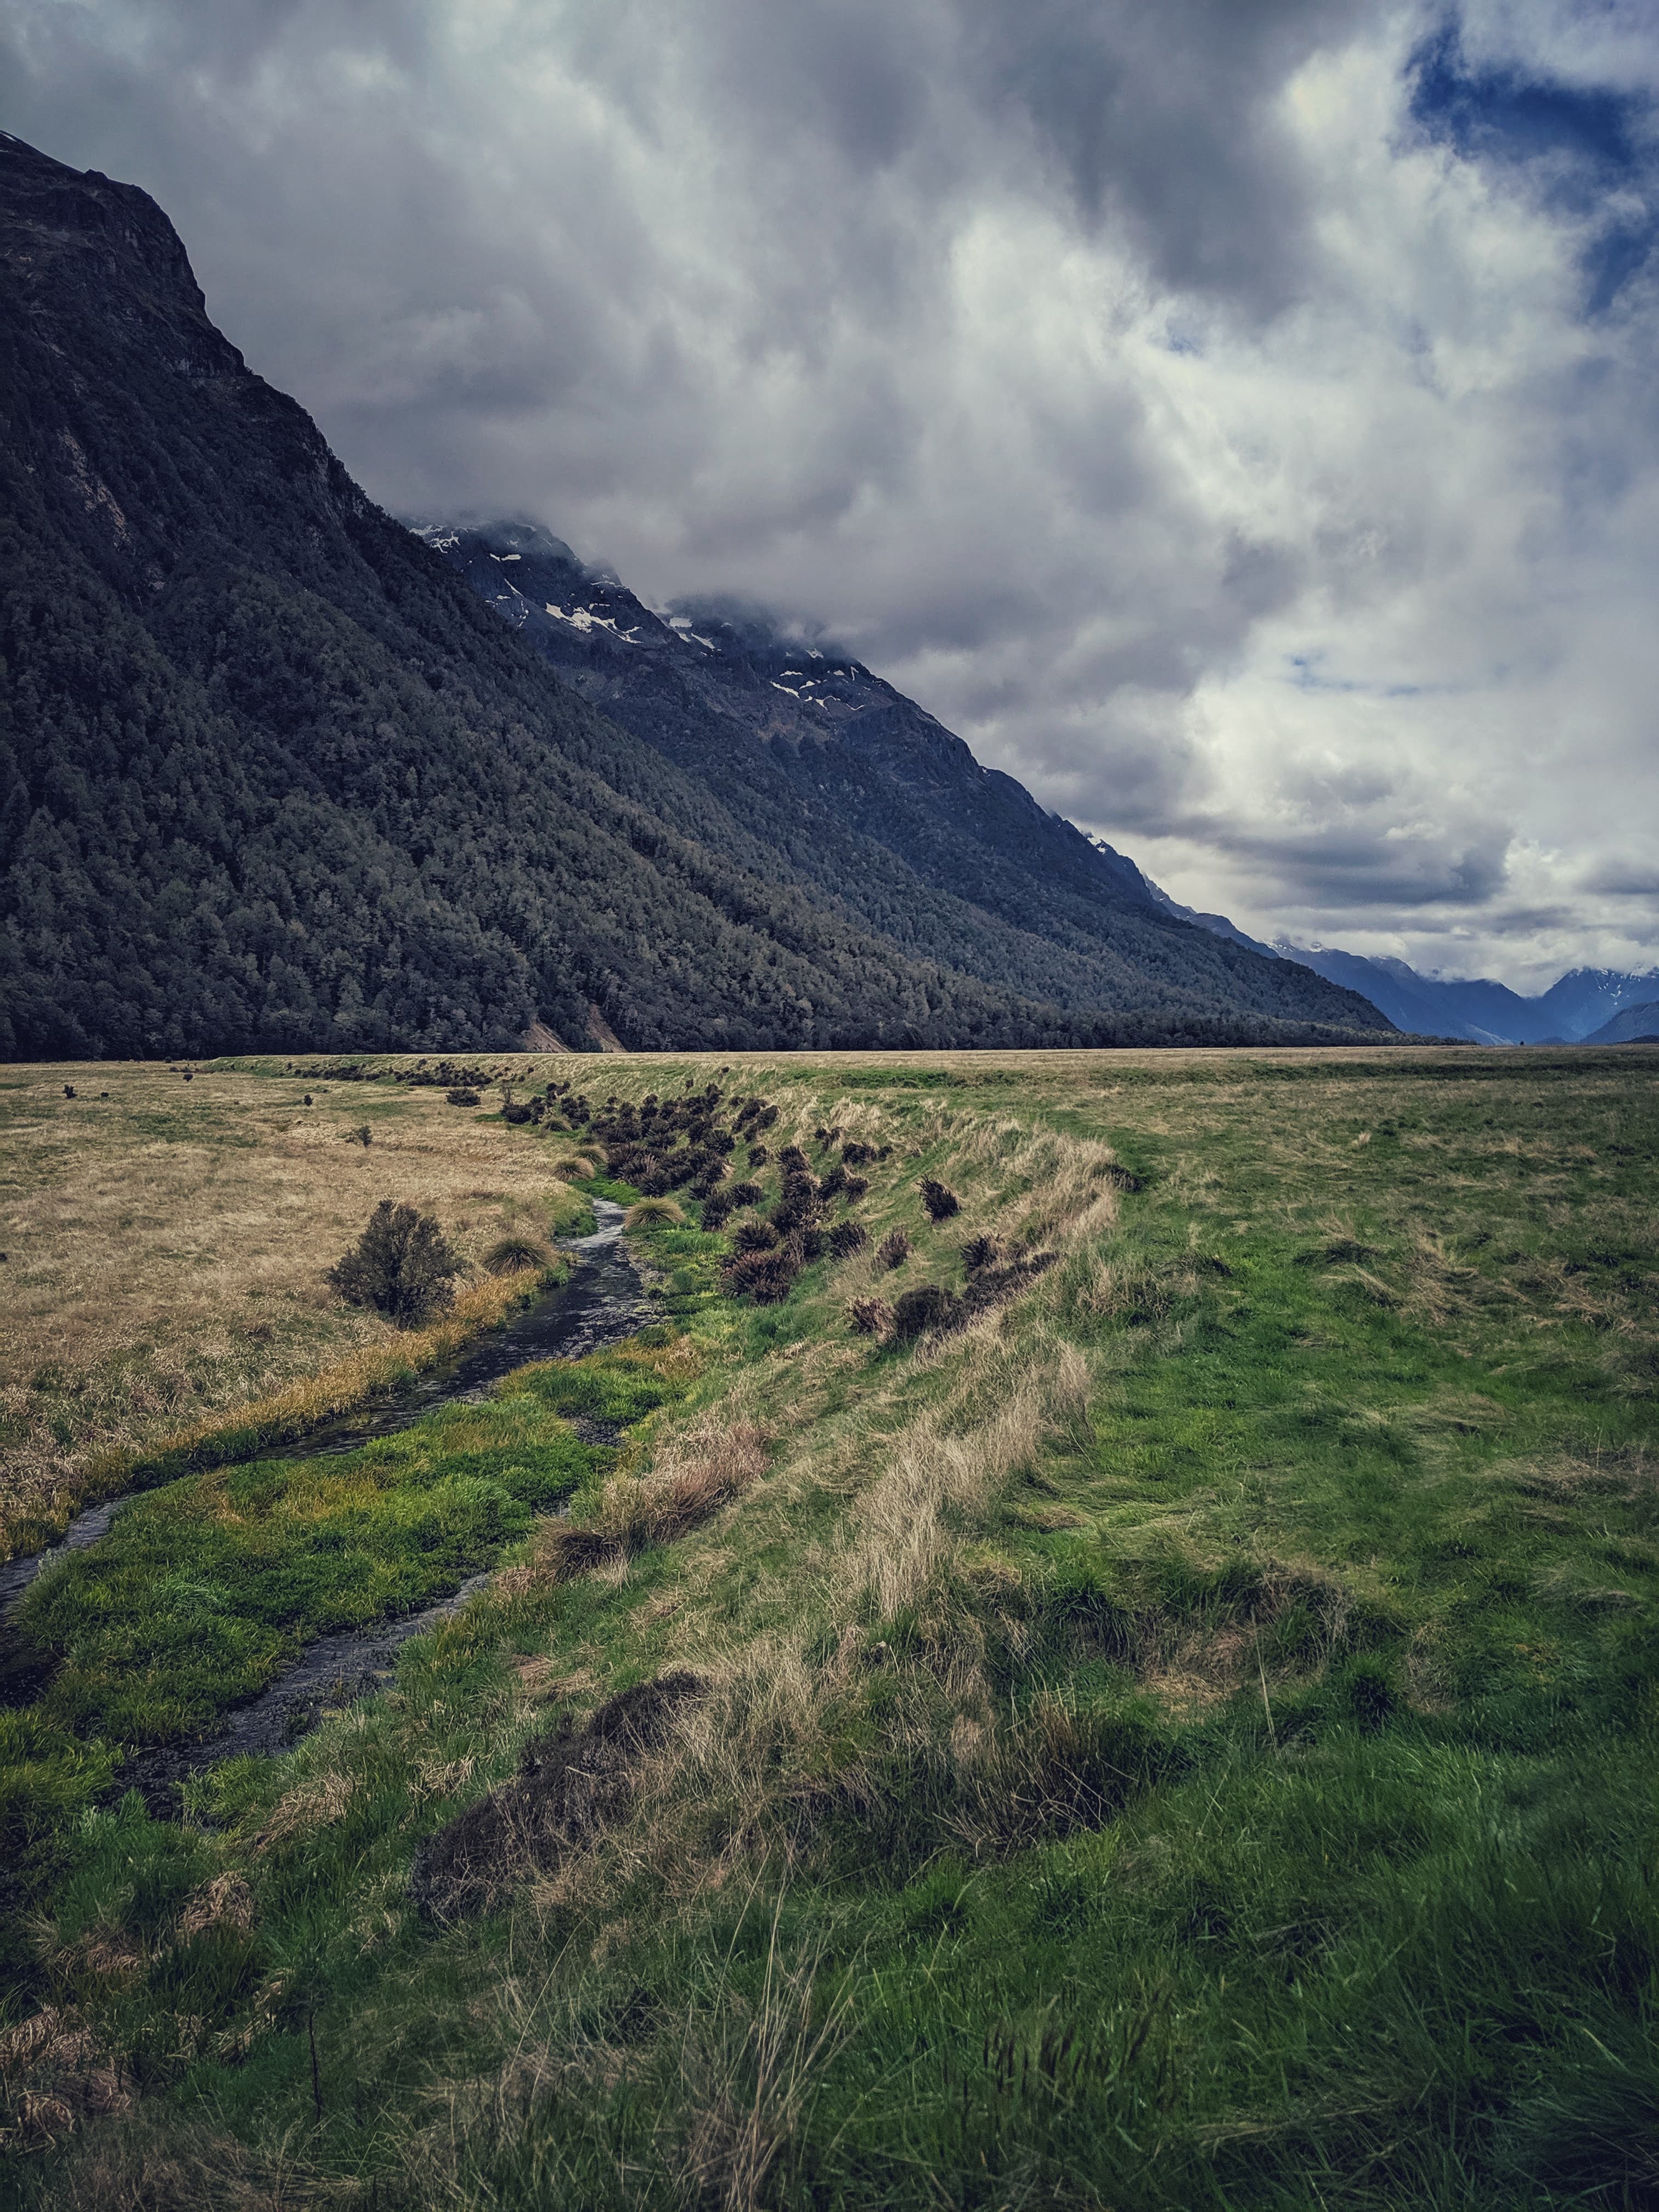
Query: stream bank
x=602, y=1303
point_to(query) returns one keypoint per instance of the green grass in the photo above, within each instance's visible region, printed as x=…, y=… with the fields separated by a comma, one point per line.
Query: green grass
x=1188, y=1743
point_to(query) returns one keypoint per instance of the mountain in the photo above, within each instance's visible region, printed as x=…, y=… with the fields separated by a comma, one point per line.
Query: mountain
x=1635, y=1025
x=1480, y=1011
x=273, y=777
x=877, y=806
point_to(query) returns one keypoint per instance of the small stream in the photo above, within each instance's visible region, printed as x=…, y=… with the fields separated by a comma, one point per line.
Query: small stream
x=604, y=1302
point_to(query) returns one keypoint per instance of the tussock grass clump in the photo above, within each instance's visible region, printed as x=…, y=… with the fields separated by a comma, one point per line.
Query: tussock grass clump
x=510, y=1255
x=768, y=1277
x=928, y=1306
x=848, y=1237
x=647, y=1212
x=893, y=1251
x=870, y=1316
x=940, y=1200
x=754, y=1237
x=692, y=1477
x=403, y=1266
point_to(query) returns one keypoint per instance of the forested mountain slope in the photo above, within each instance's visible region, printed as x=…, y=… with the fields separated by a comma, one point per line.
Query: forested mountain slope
x=272, y=776
x=872, y=800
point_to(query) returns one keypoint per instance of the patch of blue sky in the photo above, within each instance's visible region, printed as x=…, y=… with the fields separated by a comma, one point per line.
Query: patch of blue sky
x=1308, y=674
x=1587, y=151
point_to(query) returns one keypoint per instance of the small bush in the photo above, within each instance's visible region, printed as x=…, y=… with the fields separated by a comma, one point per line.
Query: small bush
x=754, y=1237
x=362, y=1135
x=649, y=1210
x=745, y=1193
x=870, y=1316
x=403, y=1266
x=793, y=1157
x=765, y=1277
x=856, y=1154
x=978, y=1252
x=940, y=1201
x=854, y=1187
x=928, y=1306
x=808, y=1245
x=758, y=1156
x=717, y=1209
x=461, y=1097
x=893, y=1251
x=510, y=1255
x=518, y=1114
x=848, y=1237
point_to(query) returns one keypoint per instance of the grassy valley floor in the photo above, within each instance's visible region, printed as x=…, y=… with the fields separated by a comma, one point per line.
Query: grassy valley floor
x=1181, y=1737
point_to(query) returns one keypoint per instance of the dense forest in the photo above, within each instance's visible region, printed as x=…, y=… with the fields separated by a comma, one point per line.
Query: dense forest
x=273, y=777
x=874, y=803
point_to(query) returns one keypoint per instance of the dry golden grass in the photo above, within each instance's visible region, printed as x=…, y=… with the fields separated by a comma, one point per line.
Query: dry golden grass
x=166, y=1246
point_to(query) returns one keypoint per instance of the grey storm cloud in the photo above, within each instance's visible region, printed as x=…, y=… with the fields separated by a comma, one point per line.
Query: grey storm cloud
x=1235, y=420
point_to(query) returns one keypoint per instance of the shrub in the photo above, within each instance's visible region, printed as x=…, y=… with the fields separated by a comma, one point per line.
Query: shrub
x=855, y=1154
x=461, y=1097
x=717, y=1209
x=978, y=1252
x=940, y=1202
x=853, y=1187
x=518, y=1114
x=649, y=1210
x=758, y=1156
x=403, y=1266
x=869, y=1316
x=893, y=1249
x=793, y=1157
x=754, y=1237
x=808, y=1245
x=848, y=1237
x=511, y=1255
x=745, y=1193
x=765, y=1277
x=928, y=1306
x=362, y=1135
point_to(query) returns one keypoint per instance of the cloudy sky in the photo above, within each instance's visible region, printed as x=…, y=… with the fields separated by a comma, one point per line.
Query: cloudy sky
x=1238, y=418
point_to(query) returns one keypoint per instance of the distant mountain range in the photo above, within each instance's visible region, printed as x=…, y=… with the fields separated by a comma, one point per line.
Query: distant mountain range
x=273, y=778
x=1572, y=1010
x=1635, y=1025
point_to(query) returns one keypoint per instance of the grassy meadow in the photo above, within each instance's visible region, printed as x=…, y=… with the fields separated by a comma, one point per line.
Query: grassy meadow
x=1183, y=1738
x=165, y=1243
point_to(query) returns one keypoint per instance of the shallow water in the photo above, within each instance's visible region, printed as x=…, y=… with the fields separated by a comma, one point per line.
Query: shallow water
x=603, y=1302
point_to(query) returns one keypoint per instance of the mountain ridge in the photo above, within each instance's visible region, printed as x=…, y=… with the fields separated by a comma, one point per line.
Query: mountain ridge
x=879, y=806
x=273, y=778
